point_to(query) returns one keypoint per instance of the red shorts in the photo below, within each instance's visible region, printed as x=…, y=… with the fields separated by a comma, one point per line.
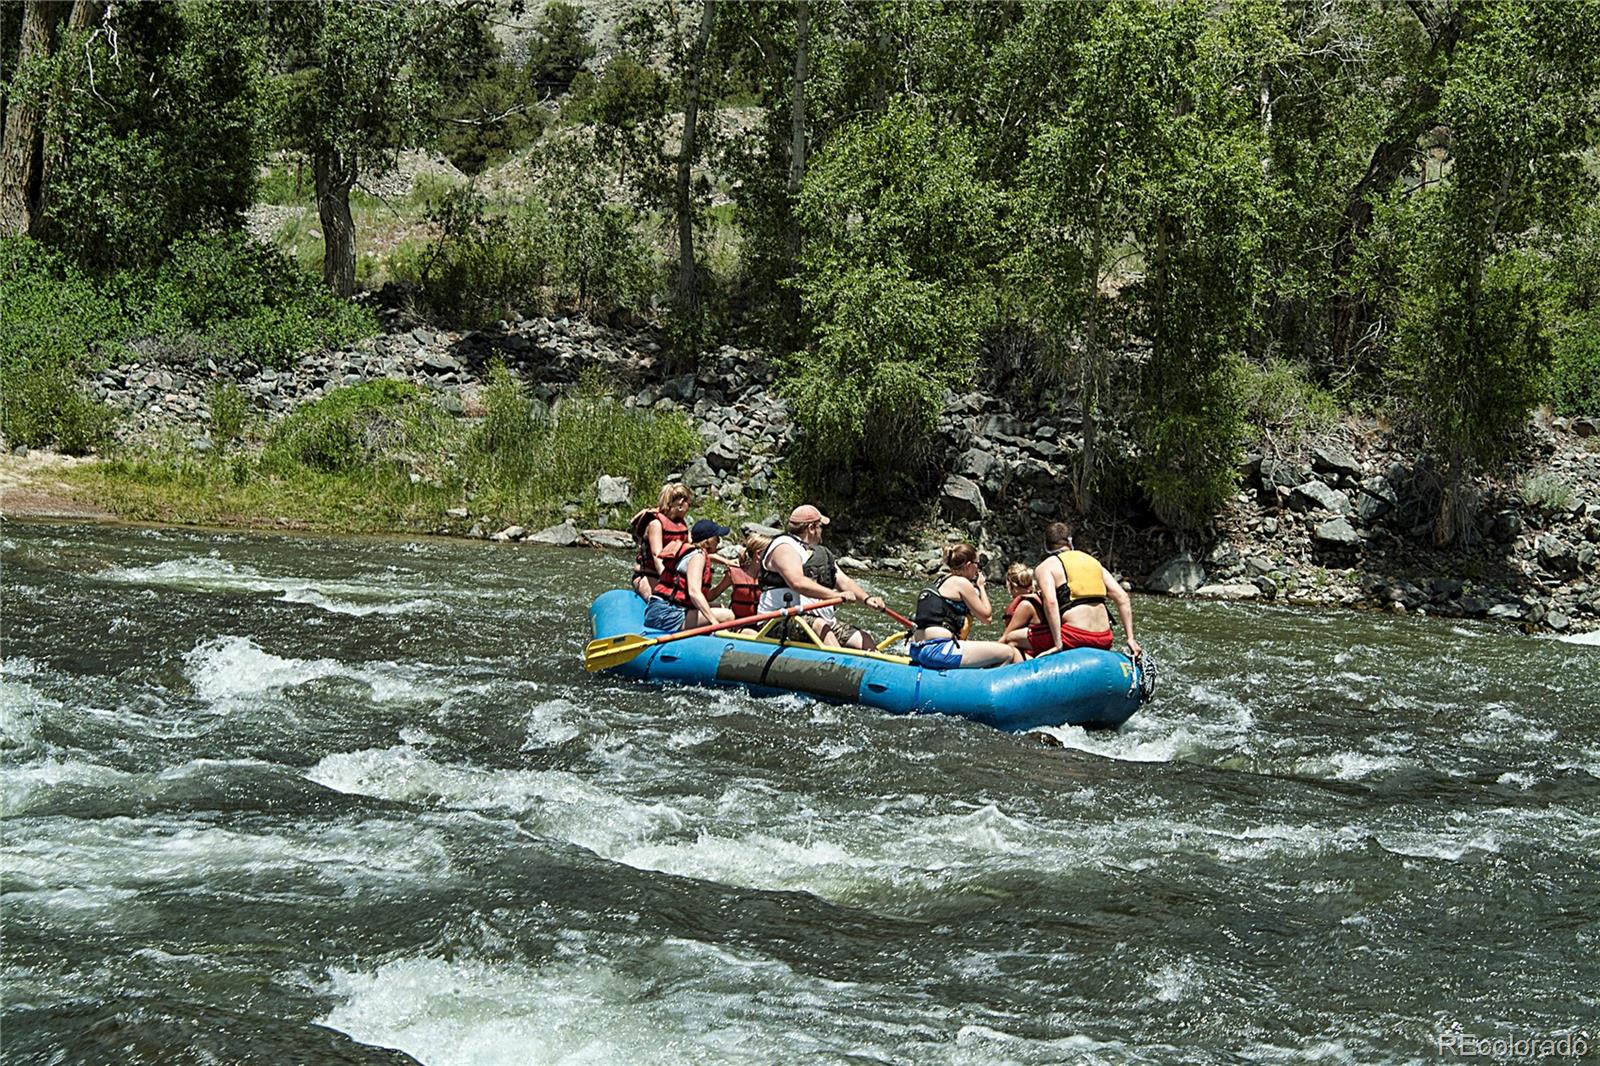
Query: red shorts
x=1071, y=637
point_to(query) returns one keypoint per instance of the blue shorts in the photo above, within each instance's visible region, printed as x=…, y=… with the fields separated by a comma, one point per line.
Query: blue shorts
x=664, y=615
x=941, y=654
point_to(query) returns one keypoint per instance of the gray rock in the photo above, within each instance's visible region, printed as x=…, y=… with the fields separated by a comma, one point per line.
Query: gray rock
x=564, y=535
x=1314, y=495
x=1002, y=425
x=1239, y=591
x=699, y=475
x=202, y=445
x=1042, y=508
x=612, y=491
x=1177, y=575
x=1558, y=621
x=607, y=538
x=982, y=467
x=1507, y=612
x=457, y=512
x=509, y=533
x=724, y=454
x=679, y=388
x=1277, y=474
x=1337, y=533
x=757, y=529
x=1333, y=459
x=1557, y=555
x=757, y=483
x=441, y=363
x=961, y=499
x=1370, y=508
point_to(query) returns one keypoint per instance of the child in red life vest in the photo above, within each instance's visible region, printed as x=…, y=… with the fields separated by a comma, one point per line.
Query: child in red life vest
x=1025, y=612
x=745, y=578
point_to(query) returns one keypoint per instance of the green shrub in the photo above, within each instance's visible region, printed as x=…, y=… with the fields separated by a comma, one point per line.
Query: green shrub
x=526, y=461
x=1575, y=365
x=378, y=422
x=230, y=410
x=1279, y=397
x=1547, y=490
x=483, y=267
x=250, y=299
x=56, y=328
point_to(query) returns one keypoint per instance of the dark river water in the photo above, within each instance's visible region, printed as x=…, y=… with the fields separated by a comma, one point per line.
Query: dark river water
x=304, y=800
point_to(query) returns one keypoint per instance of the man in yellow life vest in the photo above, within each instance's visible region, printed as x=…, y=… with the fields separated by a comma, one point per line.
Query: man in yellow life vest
x=1074, y=588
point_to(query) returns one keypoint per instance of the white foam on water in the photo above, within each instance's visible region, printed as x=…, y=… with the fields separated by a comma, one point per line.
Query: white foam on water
x=23, y=787
x=1520, y=780
x=1450, y=846
x=1591, y=639
x=549, y=723
x=673, y=1001
x=21, y=708
x=234, y=667
x=1175, y=981
x=1351, y=766
x=212, y=574
x=561, y=804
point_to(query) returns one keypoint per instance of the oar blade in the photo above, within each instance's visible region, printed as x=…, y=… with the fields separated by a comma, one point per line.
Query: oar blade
x=606, y=652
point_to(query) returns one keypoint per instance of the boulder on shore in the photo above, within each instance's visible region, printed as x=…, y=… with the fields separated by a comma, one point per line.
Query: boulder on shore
x=961, y=499
x=612, y=491
x=1177, y=575
x=564, y=535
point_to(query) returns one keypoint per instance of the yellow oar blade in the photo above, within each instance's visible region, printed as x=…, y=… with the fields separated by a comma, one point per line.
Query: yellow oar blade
x=607, y=652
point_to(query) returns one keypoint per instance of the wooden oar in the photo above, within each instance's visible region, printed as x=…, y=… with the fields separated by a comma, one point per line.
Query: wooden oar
x=606, y=652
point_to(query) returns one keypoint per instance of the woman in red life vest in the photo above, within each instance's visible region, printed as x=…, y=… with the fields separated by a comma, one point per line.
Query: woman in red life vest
x=1026, y=611
x=679, y=599
x=654, y=531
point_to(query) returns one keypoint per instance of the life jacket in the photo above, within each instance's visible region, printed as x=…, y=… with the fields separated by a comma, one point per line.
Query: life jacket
x=644, y=565
x=746, y=593
x=674, y=583
x=936, y=609
x=1085, y=581
x=819, y=564
x=1018, y=601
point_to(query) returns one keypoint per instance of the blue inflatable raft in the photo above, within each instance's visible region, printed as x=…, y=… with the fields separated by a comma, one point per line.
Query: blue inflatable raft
x=1084, y=687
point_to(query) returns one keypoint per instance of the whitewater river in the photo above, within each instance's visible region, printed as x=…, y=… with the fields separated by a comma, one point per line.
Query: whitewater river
x=309, y=800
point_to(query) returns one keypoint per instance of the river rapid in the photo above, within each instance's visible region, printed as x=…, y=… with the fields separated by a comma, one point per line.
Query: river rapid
x=272, y=799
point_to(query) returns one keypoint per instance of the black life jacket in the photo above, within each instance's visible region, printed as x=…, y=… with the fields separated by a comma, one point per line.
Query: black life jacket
x=936, y=609
x=746, y=594
x=644, y=565
x=820, y=566
x=674, y=583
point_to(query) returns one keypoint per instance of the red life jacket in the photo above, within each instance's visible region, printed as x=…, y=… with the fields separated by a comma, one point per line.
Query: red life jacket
x=1017, y=601
x=746, y=592
x=674, y=583
x=644, y=564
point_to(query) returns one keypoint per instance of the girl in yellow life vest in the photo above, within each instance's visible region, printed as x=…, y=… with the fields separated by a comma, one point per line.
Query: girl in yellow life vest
x=1074, y=588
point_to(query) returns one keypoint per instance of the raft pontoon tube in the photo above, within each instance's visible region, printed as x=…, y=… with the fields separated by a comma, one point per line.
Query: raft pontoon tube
x=1084, y=686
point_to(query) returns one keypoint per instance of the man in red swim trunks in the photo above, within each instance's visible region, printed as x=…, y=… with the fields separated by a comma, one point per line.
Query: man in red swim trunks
x=1074, y=588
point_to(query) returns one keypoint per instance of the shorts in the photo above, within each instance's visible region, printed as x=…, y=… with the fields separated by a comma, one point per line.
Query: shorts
x=664, y=615
x=1072, y=637
x=941, y=654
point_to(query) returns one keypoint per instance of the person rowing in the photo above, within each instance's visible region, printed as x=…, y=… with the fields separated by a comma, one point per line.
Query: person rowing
x=944, y=611
x=796, y=570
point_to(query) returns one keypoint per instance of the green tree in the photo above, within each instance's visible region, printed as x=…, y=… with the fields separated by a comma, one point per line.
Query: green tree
x=894, y=283
x=1471, y=336
x=558, y=48
x=362, y=79
x=150, y=128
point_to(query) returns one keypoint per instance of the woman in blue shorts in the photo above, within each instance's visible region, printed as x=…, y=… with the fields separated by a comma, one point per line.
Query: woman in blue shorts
x=944, y=611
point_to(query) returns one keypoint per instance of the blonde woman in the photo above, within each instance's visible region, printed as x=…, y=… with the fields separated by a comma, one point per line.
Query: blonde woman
x=656, y=530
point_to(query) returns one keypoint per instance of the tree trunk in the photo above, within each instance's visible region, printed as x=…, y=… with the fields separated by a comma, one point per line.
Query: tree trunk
x=22, y=148
x=335, y=177
x=688, y=281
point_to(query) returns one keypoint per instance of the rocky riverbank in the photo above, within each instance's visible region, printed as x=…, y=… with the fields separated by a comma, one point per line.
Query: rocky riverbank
x=1340, y=521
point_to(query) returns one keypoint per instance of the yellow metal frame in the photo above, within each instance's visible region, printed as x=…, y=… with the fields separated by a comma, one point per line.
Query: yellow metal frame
x=761, y=637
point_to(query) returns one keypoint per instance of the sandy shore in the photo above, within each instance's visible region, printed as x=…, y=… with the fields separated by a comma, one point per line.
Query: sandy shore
x=31, y=487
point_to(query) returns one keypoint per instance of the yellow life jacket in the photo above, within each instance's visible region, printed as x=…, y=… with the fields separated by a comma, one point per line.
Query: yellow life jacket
x=1085, y=580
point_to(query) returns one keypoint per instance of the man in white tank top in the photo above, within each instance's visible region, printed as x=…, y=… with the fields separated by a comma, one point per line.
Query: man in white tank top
x=786, y=583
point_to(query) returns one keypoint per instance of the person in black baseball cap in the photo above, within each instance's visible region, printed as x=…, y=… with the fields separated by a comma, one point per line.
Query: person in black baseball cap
x=682, y=598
